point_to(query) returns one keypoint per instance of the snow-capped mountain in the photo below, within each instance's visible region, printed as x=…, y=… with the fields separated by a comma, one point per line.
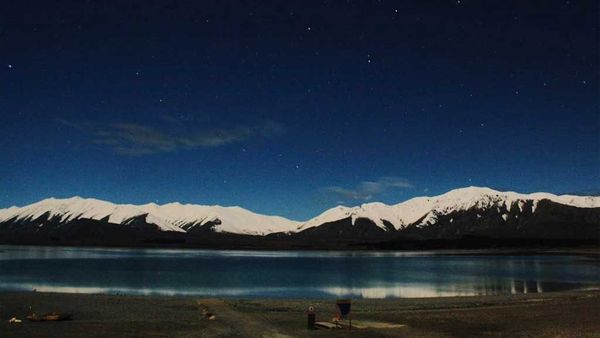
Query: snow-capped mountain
x=169, y=217
x=471, y=211
x=423, y=211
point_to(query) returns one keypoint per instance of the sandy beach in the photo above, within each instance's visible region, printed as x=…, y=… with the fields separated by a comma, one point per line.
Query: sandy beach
x=562, y=314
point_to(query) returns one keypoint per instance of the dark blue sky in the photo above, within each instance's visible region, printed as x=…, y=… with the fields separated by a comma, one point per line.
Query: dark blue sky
x=291, y=107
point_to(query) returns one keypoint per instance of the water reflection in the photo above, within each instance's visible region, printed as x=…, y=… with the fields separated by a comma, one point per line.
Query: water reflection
x=397, y=291
x=425, y=291
x=287, y=273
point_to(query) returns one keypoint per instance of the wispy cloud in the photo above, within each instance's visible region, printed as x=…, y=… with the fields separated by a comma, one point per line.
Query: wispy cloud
x=132, y=139
x=367, y=190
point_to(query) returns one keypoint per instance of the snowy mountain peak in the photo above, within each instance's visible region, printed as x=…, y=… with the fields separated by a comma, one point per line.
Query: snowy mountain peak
x=426, y=210
x=418, y=211
x=168, y=217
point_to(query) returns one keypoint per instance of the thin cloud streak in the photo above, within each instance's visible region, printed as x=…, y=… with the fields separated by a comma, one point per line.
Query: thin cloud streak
x=132, y=139
x=367, y=190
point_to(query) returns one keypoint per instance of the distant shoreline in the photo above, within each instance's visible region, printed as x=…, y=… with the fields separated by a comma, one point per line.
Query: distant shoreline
x=441, y=247
x=580, y=250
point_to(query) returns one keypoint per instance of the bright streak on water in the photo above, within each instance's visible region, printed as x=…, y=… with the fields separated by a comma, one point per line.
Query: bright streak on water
x=290, y=274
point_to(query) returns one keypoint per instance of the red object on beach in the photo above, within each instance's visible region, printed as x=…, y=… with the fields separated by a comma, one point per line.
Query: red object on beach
x=49, y=317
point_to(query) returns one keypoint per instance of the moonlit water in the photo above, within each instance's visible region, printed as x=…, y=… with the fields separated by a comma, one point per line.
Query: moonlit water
x=290, y=274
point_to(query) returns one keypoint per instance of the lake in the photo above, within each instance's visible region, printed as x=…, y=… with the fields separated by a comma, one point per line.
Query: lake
x=288, y=274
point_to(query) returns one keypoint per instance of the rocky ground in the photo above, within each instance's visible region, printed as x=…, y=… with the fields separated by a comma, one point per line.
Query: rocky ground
x=564, y=314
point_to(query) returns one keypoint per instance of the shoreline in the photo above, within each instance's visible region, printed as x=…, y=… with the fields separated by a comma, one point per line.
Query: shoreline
x=567, y=313
x=590, y=251
x=278, y=242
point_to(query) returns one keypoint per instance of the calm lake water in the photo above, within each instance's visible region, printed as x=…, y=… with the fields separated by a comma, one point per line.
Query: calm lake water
x=293, y=274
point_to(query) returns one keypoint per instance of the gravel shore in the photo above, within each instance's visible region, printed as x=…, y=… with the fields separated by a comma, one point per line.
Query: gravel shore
x=561, y=314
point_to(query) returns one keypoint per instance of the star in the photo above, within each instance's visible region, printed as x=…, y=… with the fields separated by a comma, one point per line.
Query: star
x=10, y=66
x=308, y=28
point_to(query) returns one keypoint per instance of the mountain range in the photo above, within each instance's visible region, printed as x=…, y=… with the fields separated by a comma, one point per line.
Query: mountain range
x=459, y=213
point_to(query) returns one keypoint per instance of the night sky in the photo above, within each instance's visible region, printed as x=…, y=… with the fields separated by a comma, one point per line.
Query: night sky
x=292, y=107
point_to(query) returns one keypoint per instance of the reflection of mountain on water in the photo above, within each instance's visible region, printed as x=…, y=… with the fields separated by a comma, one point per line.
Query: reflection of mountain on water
x=288, y=274
x=525, y=287
x=486, y=287
x=395, y=291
